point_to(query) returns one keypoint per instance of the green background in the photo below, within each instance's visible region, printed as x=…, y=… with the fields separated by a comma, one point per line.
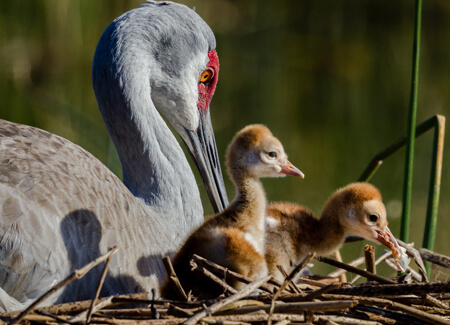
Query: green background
x=331, y=79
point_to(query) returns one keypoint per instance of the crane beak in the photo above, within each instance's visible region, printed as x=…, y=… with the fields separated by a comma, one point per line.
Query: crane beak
x=290, y=169
x=202, y=147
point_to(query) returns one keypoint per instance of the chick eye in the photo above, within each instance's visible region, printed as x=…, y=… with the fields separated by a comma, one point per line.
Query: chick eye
x=373, y=218
x=272, y=154
x=206, y=76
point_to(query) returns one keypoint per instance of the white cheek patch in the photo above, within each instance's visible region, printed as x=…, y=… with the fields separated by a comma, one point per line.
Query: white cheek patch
x=252, y=241
x=272, y=222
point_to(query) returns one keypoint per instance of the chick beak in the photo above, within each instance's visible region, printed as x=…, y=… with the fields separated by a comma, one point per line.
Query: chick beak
x=290, y=169
x=386, y=238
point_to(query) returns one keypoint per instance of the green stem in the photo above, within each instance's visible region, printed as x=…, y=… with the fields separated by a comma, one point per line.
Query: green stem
x=411, y=129
x=435, y=185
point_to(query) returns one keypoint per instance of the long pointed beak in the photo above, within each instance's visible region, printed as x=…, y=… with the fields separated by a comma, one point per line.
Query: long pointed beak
x=290, y=169
x=386, y=238
x=202, y=147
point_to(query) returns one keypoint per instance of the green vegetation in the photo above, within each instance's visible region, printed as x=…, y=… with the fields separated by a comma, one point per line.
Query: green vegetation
x=330, y=79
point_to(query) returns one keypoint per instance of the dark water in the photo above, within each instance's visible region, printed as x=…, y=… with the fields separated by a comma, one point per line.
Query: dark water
x=331, y=79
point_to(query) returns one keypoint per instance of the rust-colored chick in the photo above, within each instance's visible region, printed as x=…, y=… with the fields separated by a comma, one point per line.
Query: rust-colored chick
x=293, y=231
x=235, y=238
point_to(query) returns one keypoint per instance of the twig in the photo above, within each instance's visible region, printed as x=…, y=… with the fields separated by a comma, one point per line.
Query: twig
x=357, y=262
x=414, y=253
x=77, y=274
x=99, y=288
x=398, y=306
x=217, y=269
x=296, y=307
x=326, y=321
x=310, y=282
x=173, y=278
x=294, y=273
x=213, y=277
x=319, y=292
x=83, y=315
x=259, y=317
x=288, y=280
x=338, y=257
x=435, y=258
x=390, y=314
x=369, y=254
x=433, y=319
x=434, y=310
x=222, y=303
x=395, y=289
x=368, y=275
x=435, y=302
x=292, y=285
x=380, y=259
x=56, y=317
x=283, y=322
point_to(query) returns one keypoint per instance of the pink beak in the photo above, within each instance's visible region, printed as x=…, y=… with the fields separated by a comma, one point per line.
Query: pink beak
x=386, y=238
x=290, y=169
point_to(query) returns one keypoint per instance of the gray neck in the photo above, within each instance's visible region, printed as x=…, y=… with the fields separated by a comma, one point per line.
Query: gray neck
x=154, y=166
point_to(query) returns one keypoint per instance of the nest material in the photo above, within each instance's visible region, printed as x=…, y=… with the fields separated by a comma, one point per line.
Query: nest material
x=406, y=299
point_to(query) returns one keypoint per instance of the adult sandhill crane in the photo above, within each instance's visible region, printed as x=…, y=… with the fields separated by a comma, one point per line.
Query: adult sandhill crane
x=62, y=208
x=235, y=237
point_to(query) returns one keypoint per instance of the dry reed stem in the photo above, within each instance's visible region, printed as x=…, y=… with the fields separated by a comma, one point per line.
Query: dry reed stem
x=310, y=282
x=434, y=302
x=395, y=306
x=77, y=274
x=368, y=275
x=213, y=277
x=357, y=262
x=338, y=257
x=415, y=254
x=319, y=292
x=62, y=320
x=288, y=280
x=292, y=285
x=220, y=270
x=295, y=307
x=173, y=278
x=294, y=273
x=84, y=315
x=87, y=314
x=369, y=254
x=380, y=259
x=396, y=289
x=435, y=258
x=249, y=288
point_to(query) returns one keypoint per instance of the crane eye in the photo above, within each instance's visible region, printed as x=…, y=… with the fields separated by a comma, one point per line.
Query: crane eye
x=373, y=218
x=206, y=76
x=272, y=154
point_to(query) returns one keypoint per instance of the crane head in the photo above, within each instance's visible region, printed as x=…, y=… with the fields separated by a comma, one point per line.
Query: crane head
x=162, y=55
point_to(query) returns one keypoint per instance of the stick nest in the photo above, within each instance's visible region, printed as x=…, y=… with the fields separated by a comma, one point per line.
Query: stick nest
x=406, y=299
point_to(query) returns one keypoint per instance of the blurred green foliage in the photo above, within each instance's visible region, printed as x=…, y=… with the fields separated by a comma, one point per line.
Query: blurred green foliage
x=331, y=79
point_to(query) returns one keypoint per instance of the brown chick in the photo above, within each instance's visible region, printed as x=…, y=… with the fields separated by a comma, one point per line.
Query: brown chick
x=235, y=238
x=293, y=231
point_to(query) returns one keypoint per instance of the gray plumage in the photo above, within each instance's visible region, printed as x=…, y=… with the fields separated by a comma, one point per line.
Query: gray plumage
x=61, y=208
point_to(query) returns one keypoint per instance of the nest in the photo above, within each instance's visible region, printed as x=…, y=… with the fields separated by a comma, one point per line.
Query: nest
x=406, y=299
